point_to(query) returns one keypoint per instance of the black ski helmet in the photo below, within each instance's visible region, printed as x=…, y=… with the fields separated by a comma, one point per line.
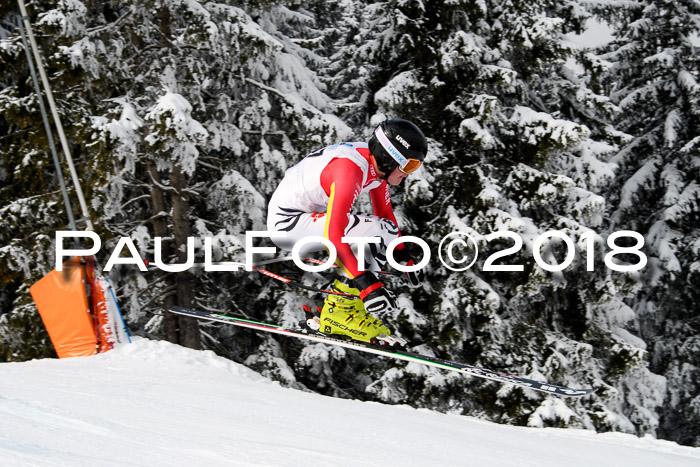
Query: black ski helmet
x=395, y=142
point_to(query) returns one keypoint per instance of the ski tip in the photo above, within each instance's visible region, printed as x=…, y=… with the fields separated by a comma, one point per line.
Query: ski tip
x=568, y=392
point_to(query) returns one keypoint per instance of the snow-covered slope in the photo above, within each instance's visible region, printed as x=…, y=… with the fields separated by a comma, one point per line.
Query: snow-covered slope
x=156, y=404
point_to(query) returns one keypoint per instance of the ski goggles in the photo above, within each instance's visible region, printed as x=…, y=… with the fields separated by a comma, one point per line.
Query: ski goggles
x=406, y=165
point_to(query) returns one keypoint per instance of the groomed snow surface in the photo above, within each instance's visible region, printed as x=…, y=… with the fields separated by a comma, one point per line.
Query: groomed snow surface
x=152, y=403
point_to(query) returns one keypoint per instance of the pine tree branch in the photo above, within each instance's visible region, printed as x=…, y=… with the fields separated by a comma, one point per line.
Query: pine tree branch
x=119, y=21
x=263, y=133
x=210, y=166
x=133, y=200
x=160, y=185
x=170, y=291
x=284, y=96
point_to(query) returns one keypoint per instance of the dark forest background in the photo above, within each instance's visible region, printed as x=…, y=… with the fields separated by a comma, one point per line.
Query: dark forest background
x=183, y=115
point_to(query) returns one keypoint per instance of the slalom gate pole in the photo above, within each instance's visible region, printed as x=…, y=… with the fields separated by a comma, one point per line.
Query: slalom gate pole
x=47, y=127
x=54, y=113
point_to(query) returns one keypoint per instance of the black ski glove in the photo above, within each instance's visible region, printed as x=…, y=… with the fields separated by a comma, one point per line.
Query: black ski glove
x=413, y=278
x=376, y=297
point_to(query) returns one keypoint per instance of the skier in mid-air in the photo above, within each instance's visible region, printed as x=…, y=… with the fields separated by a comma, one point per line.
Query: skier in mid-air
x=315, y=198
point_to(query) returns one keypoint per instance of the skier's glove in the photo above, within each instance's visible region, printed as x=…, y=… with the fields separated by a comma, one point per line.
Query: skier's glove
x=376, y=297
x=413, y=278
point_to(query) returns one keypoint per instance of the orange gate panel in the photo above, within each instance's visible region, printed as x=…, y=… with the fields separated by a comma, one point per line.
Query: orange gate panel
x=63, y=306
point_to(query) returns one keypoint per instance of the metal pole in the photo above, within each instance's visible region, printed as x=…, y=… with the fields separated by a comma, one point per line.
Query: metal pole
x=49, y=132
x=54, y=113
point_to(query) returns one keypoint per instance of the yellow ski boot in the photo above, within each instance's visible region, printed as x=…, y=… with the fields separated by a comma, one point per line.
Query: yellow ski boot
x=345, y=315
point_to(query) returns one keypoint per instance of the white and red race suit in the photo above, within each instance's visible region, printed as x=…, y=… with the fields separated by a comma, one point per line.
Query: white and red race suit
x=315, y=198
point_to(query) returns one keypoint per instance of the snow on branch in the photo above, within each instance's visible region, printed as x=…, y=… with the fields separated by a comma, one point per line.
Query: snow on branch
x=539, y=125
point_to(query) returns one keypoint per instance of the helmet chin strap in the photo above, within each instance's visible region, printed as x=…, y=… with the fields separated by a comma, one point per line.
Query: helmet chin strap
x=379, y=171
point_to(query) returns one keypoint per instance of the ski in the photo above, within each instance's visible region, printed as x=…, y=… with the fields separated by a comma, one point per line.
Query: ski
x=386, y=352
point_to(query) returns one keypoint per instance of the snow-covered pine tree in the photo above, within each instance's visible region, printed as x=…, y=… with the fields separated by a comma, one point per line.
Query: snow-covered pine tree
x=260, y=109
x=30, y=199
x=193, y=110
x=652, y=75
x=190, y=113
x=519, y=143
